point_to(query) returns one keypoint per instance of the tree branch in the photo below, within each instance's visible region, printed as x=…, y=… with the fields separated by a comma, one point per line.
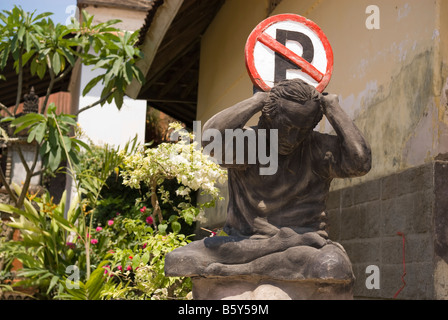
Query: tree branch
x=63, y=75
x=29, y=175
x=5, y=108
x=96, y=103
x=50, y=86
x=7, y=188
x=20, y=84
x=23, y=160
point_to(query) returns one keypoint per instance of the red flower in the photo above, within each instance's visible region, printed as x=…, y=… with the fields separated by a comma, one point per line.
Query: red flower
x=129, y=268
x=149, y=220
x=71, y=245
x=106, y=269
x=94, y=241
x=143, y=209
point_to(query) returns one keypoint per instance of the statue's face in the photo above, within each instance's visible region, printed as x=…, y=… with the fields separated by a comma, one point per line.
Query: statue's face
x=294, y=122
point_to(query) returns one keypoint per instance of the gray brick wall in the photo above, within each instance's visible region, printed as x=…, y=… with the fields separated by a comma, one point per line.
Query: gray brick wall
x=366, y=218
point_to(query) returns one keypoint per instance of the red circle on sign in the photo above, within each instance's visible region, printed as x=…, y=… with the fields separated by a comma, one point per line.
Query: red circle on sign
x=258, y=35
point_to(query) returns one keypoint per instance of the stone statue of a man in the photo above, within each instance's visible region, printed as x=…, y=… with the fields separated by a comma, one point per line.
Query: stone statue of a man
x=276, y=223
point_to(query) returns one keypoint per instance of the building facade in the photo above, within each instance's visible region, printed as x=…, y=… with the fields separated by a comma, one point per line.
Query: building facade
x=390, y=72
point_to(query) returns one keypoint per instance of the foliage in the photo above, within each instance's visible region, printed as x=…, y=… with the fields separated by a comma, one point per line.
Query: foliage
x=51, y=241
x=137, y=265
x=182, y=161
x=52, y=133
x=43, y=249
x=56, y=48
x=49, y=49
x=90, y=290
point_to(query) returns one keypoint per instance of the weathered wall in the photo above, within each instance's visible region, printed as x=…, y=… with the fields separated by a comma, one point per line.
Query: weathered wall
x=366, y=220
x=223, y=79
x=390, y=80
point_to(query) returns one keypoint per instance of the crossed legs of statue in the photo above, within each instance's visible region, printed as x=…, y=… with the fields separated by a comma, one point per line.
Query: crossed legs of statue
x=286, y=255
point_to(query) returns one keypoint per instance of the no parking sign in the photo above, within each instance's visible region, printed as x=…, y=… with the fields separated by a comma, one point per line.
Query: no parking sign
x=288, y=46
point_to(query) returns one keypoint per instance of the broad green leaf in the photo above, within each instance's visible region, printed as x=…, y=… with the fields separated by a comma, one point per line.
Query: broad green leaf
x=128, y=72
x=31, y=136
x=129, y=51
x=56, y=63
x=42, y=15
x=64, y=223
x=40, y=131
x=28, y=118
x=53, y=282
x=176, y=226
x=145, y=258
x=54, y=158
x=69, y=55
x=118, y=95
x=41, y=69
x=21, y=33
x=82, y=144
x=138, y=74
x=67, y=143
x=162, y=228
x=26, y=56
x=53, y=137
x=34, y=66
x=135, y=261
x=92, y=83
x=118, y=64
x=101, y=63
x=29, y=42
x=4, y=56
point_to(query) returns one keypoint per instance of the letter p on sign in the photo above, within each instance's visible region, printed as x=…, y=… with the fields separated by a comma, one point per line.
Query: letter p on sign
x=288, y=46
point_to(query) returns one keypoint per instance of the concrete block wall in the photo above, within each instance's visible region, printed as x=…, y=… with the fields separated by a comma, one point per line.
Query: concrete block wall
x=367, y=218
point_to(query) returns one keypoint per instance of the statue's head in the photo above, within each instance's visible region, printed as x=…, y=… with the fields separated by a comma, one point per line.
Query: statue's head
x=293, y=108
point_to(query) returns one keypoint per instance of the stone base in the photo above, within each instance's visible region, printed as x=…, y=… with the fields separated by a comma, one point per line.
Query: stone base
x=252, y=288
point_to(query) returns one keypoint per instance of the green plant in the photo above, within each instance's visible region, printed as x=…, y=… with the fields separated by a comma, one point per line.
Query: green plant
x=44, y=248
x=137, y=270
x=53, y=49
x=90, y=290
x=182, y=161
x=90, y=181
x=52, y=133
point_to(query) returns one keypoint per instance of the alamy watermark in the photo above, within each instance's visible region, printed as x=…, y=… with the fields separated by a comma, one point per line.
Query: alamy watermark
x=72, y=281
x=373, y=280
x=373, y=20
x=239, y=146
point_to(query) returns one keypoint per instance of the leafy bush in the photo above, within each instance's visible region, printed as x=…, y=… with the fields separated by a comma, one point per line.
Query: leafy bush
x=44, y=247
x=125, y=250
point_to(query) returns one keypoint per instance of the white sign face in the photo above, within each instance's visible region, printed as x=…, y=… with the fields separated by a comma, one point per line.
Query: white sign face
x=288, y=47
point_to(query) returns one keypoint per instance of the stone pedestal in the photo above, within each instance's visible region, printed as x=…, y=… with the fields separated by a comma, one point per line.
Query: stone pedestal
x=256, y=288
x=286, y=266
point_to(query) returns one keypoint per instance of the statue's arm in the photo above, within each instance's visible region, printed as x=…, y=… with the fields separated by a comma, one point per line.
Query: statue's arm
x=352, y=155
x=234, y=117
x=237, y=116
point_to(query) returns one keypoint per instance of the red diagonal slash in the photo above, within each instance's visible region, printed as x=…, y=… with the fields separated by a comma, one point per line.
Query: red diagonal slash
x=276, y=46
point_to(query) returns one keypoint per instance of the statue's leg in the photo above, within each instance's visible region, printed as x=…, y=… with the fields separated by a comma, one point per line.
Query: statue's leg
x=330, y=262
x=299, y=262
